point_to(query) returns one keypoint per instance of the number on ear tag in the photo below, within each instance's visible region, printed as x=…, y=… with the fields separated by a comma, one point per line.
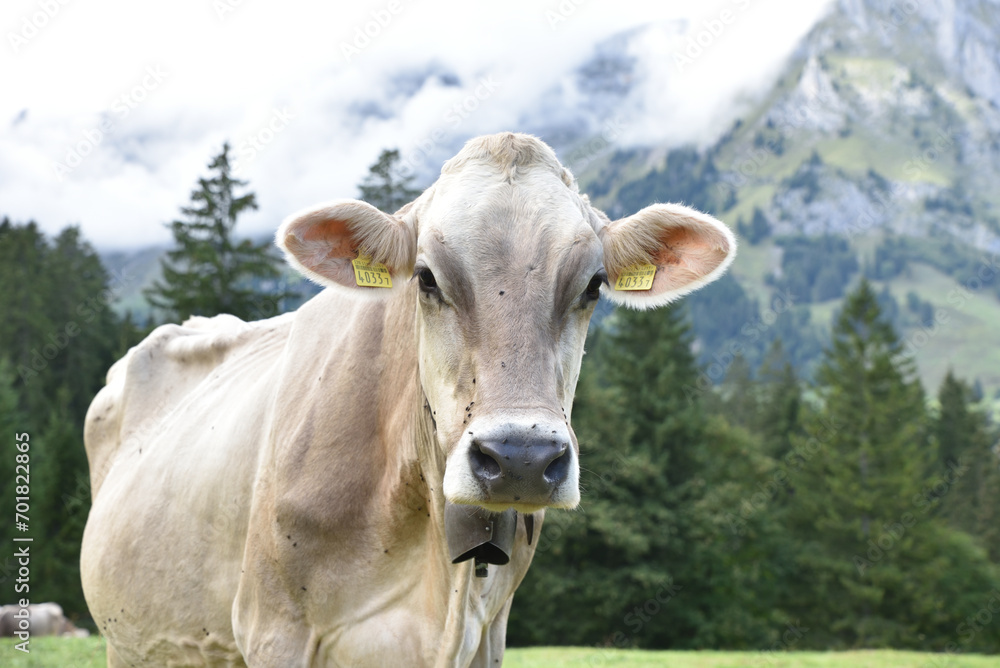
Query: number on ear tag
x=370, y=274
x=636, y=277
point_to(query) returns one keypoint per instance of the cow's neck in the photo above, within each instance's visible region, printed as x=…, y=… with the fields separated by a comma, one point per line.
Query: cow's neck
x=355, y=464
x=417, y=461
x=354, y=396
x=412, y=455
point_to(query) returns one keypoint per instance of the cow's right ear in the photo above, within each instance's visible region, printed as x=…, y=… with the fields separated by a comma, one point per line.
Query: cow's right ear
x=322, y=241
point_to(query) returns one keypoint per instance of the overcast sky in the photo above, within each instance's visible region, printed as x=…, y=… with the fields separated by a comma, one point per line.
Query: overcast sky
x=111, y=109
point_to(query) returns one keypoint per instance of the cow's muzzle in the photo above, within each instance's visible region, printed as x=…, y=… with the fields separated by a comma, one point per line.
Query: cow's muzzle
x=520, y=469
x=521, y=465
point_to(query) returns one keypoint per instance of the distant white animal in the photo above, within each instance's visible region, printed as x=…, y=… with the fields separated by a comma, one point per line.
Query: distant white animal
x=70, y=630
x=43, y=619
x=8, y=624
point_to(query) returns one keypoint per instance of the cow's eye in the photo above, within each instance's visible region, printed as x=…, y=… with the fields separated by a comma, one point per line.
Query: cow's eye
x=426, y=278
x=594, y=287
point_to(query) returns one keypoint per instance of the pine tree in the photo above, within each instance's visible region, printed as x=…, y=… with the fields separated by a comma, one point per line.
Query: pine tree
x=384, y=187
x=741, y=556
x=27, y=285
x=968, y=480
x=988, y=504
x=779, y=418
x=88, y=326
x=956, y=426
x=59, y=509
x=738, y=397
x=863, y=527
x=210, y=271
x=61, y=330
x=861, y=465
x=12, y=421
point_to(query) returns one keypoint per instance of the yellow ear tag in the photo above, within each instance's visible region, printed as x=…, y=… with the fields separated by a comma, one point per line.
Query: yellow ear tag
x=636, y=277
x=370, y=274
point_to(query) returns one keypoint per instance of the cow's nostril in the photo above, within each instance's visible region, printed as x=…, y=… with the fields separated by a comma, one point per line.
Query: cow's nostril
x=484, y=465
x=558, y=469
x=524, y=467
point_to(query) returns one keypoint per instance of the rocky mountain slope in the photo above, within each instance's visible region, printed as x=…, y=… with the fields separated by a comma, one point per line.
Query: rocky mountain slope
x=883, y=131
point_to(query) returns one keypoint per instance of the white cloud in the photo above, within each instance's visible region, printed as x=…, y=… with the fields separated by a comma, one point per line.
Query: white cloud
x=224, y=78
x=700, y=79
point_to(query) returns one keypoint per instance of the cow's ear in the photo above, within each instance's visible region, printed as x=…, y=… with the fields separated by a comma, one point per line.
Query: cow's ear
x=322, y=241
x=688, y=249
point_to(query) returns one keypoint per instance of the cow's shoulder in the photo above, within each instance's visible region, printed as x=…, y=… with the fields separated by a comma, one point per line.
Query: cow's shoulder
x=151, y=379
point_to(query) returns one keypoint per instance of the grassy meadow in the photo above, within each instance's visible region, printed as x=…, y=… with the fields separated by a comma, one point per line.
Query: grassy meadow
x=89, y=653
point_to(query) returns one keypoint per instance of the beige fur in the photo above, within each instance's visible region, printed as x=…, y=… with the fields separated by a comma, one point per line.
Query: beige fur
x=510, y=152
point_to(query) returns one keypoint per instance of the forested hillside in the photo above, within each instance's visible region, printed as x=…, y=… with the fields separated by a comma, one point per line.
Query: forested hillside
x=58, y=337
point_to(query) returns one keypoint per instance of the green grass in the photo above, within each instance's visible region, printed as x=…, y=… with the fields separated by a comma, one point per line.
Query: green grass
x=559, y=657
x=53, y=652
x=89, y=653
x=867, y=71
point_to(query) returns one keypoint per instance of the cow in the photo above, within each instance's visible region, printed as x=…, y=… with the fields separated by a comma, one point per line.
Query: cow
x=276, y=493
x=40, y=619
x=8, y=622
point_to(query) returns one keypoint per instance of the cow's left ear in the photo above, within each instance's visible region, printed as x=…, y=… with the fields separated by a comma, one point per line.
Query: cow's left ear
x=322, y=242
x=689, y=249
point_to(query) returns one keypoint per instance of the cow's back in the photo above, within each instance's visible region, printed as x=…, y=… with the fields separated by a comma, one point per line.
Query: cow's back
x=173, y=442
x=148, y=383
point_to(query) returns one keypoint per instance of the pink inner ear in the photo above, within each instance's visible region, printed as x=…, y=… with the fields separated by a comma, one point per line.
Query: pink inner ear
x=324, y=247
x=335, y=234
x=687, y=254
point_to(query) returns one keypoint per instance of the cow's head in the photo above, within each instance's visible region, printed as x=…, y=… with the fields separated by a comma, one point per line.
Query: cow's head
x=504, y=261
